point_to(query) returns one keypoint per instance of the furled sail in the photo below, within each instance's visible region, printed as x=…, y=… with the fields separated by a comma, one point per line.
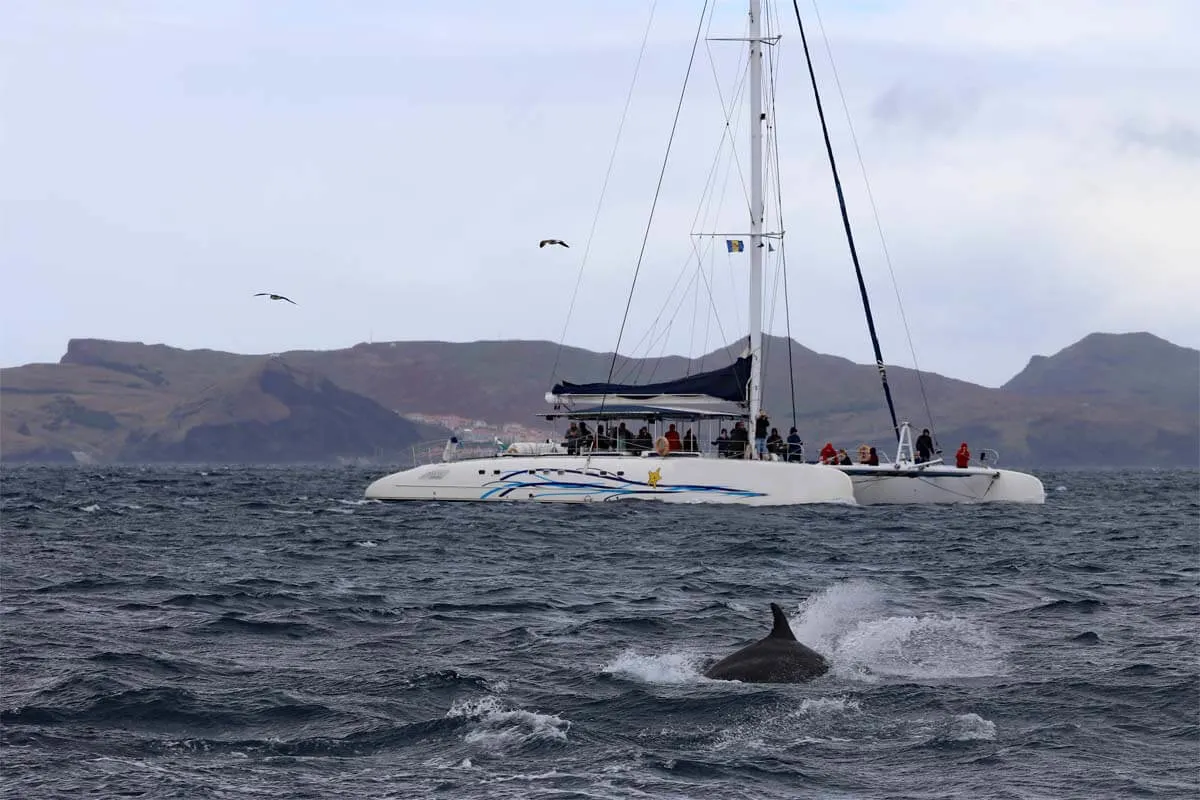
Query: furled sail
x=727, y=383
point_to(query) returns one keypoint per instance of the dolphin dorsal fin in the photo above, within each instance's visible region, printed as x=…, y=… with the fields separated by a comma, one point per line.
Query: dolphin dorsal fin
x=781, y=629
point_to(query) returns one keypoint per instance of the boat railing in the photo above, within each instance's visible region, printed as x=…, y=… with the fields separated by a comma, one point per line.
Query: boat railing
x=438, y=450
x=443, y=450
x=986, y=460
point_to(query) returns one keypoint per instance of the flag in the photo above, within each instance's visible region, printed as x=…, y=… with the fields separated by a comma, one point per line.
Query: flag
x=734, y=245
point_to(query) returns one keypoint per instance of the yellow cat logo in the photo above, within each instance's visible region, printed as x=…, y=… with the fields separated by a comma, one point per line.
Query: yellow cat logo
x=655, y=477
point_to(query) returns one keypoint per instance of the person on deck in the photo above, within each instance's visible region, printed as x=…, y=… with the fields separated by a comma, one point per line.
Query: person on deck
x=795, y=447
x=573, y=440
x=828, y=454
x=775, y=443
x=644, y=440
x=963, y=457
x=924, y=446
x=843, y=458
x=739, y=439
x=722, y=444
x=761, y=425
x=873, y=458
x=673, y=439
x=689, y=442
x=623, y=437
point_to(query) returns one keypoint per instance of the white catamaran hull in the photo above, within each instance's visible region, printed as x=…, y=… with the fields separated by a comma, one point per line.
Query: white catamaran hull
x=580, y=479
x=889, y=483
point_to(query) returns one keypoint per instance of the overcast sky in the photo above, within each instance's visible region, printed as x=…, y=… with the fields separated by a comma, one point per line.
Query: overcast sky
x=392, y=165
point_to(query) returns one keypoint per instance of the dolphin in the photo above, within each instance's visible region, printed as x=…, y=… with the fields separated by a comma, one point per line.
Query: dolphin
x=778, y=658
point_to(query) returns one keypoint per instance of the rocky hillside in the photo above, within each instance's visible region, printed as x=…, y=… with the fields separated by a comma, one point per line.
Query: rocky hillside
x=113, y=405
x=272, y=413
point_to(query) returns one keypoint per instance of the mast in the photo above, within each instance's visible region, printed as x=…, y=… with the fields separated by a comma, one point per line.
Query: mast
x=757, y=119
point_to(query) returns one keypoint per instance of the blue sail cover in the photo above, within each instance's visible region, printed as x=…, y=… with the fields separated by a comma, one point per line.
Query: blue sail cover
x=728, y=383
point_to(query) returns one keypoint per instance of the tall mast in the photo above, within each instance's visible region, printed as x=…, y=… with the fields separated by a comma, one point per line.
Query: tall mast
x=757, y=120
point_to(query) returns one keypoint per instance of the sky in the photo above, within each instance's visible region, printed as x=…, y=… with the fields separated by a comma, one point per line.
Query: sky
x=391, y=166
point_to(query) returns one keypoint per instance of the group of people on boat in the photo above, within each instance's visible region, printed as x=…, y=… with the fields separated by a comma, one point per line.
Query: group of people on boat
x=869, y=456
x=736, y=443
x=581, y=437
x=866, y=455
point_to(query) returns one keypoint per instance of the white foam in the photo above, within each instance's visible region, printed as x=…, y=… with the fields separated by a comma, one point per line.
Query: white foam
x=496, y=727
x=848, y=623
x=971, y=727
x=91, y=509
x=367, y=543
x=662, y=668
x=828, y=706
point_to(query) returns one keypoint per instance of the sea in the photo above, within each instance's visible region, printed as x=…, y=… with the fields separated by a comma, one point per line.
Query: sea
x=250, y=632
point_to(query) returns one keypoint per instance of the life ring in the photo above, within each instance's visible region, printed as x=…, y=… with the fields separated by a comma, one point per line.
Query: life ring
x=662, y=446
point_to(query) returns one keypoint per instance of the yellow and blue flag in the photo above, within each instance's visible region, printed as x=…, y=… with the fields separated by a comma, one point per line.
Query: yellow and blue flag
x=734, y=245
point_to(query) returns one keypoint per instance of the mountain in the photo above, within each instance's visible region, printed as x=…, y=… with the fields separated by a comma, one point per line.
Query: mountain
x=130, y=402
x=1093, y=404
x=272, y=413
x=1131, y=367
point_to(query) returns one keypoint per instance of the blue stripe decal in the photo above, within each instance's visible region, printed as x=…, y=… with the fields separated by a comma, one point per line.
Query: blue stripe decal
x=623, y=487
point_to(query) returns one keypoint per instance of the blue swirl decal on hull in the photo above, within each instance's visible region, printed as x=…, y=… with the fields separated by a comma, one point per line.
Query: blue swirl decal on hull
x=616, y=486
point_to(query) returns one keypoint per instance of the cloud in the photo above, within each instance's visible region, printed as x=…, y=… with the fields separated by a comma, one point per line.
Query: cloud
x=937, y=109
x=392, y=168
x=1177, y=138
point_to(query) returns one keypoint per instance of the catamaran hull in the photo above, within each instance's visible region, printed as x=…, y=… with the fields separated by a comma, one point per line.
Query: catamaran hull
x=578, y=479
x=887, y=484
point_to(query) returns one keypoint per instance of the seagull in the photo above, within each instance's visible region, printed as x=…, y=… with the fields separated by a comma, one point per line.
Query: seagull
x=276, y=297
x=545, y=242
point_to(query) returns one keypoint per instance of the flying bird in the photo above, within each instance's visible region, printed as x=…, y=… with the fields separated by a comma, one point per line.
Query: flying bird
x=276, y=297
x=545, y=242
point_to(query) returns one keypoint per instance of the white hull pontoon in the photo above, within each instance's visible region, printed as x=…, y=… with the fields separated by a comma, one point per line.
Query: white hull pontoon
x=605, y=477
x=915, y=483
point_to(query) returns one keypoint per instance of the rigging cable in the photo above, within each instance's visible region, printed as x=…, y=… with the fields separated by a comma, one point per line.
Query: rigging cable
x=703, y=207
x=654, y=203
x=862, y=286
x=603, y=189
x=878, y=225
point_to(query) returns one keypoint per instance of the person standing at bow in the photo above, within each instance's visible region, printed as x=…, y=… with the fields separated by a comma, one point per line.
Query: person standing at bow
x=963, y=457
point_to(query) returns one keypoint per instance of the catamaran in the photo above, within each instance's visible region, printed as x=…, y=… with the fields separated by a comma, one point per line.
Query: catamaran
x=552, y=472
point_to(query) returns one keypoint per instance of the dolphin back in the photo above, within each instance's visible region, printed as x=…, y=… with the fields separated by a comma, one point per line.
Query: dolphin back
x=778, y=658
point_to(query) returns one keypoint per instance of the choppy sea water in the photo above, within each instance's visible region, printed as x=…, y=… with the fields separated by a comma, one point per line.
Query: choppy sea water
x=246, y=633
